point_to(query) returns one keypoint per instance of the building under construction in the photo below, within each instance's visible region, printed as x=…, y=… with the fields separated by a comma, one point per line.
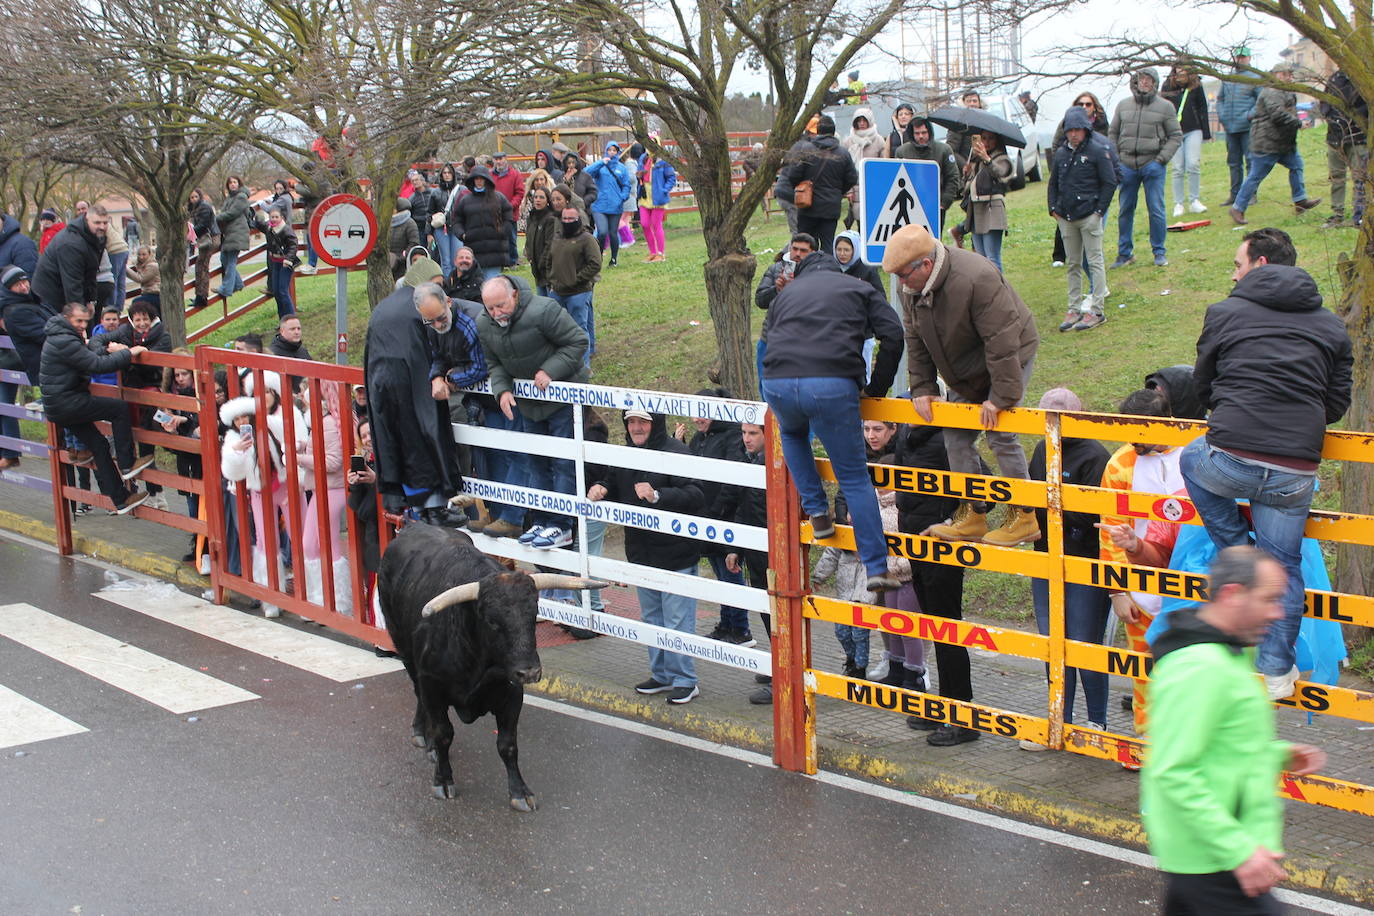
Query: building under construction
x=947, y=49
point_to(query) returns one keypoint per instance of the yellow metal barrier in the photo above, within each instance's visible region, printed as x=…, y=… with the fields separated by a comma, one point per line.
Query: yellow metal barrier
x=1057, y=569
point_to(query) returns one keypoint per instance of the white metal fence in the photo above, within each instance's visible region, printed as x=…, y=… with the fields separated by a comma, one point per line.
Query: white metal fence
x=612, y=401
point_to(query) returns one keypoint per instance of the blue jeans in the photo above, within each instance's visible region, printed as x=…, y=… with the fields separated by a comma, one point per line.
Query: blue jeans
x=596, y=540
x=311, y=256
x=505, y=467
x=489, y=272
x=730, y=617
x=676, y=612
x=1085, y=620
x=280, y=277
x=608, y=231
x=989, y=245
x=830, y=407
x=513, y=240
x=117, y=264
x=1237, y=159
x=230, y=282
x=555, y=474
x=1261, y=166
x=1152, y=177
x=9, y=426
x=1279, y=503
x=579, y=306
x=854, y=642
x=448, y=247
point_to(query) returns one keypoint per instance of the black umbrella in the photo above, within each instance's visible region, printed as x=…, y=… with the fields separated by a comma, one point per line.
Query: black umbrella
x=975, y=119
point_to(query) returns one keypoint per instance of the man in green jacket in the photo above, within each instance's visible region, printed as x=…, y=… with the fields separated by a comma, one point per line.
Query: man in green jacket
x=1207, y=793
x=525, y=336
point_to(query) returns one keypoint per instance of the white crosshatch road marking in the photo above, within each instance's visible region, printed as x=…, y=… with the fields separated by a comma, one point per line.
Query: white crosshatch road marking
x=22, y=721
x=328, y=658
x=150, y=677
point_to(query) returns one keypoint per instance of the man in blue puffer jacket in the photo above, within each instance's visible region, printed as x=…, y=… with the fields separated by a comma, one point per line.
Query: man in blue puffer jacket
x=1235, y=105
x=613, y=187
x=1082, y=182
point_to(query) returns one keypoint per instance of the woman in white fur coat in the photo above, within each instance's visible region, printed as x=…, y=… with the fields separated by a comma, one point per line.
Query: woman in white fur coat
x=239, y=462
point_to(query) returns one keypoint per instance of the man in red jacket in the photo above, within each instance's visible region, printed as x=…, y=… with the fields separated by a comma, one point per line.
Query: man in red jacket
x=510, y=182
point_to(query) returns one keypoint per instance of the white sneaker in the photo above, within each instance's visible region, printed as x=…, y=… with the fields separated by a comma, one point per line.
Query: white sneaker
x=204, y=564
x=1280, y=686
x=1178, y=209
x=1197, y=206
x=307, y=269
x=271, y=611
x=156, y=501
x=553, y=537
x=1056, y=263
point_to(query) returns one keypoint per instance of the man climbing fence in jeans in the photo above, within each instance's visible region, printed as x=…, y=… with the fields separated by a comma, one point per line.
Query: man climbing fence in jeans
x=1274, y=366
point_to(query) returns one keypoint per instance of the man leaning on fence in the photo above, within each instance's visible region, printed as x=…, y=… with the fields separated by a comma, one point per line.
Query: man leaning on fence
x=965, y=322
x=525, y=336
x=67, y=367
x=1275, y=367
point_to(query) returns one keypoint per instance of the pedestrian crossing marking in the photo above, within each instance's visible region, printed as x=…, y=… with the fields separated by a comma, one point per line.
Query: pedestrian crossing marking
x=900, y=208
x=328, y=658
x=22, y=721
x=164, y=683
x=894, y=193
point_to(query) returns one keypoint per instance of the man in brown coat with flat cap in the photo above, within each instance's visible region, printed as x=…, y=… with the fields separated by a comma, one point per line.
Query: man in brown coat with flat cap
x=964, y=321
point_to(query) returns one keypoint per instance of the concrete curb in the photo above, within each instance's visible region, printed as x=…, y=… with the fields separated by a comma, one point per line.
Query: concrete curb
x=149, y=564
x=1309, y=873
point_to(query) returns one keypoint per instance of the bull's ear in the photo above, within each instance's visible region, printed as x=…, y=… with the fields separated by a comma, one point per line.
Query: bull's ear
x=554, y=580
x=456, y=595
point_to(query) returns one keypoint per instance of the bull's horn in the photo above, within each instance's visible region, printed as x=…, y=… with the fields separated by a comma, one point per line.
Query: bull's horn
x=456, y=595
x=554, y=580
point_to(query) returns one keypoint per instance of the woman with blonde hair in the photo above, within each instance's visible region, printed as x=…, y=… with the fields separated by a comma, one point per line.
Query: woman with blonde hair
x=536, y=179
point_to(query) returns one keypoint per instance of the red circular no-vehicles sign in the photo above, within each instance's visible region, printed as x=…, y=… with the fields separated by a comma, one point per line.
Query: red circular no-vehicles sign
x=343, y=230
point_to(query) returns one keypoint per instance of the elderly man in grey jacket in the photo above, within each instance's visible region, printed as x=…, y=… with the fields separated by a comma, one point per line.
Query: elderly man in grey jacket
x=1146, y=133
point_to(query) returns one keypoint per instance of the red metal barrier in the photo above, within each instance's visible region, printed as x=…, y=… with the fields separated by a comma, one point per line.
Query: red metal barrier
x=65, y=491
x=292, y=596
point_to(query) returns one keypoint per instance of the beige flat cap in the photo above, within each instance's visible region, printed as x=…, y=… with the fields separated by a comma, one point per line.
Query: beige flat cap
x=909, y=243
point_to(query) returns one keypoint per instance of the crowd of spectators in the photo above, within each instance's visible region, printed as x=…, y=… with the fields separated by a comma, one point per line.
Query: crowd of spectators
x=458, y=319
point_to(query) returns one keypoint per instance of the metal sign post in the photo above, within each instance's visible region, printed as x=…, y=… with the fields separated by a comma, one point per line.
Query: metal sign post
x=894, y=193
x=343, y=230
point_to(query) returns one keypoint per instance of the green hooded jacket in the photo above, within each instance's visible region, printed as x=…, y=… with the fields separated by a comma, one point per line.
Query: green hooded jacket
x=1208, y=789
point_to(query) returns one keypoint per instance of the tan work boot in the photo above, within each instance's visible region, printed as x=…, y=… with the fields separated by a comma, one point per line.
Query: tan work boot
x=1020, y=528
x=968, y=524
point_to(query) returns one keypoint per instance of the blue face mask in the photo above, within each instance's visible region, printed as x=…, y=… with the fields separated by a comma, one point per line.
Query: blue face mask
x=479, y=189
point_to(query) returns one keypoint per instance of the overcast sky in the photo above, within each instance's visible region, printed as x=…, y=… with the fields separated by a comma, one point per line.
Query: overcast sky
x=1217, y=24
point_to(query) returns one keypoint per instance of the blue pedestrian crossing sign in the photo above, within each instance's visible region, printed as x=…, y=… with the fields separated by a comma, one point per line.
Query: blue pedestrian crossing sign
x=894, y=193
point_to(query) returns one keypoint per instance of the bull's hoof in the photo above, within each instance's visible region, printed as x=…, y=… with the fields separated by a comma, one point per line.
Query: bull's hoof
x=448, y=791
x=433, y=756
x=418, y=739
x=526, y=804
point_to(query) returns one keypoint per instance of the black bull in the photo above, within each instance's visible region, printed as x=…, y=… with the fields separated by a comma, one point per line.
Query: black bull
x=463, y=626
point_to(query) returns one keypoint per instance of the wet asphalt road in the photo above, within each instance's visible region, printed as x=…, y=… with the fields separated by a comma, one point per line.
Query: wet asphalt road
x=311, y=799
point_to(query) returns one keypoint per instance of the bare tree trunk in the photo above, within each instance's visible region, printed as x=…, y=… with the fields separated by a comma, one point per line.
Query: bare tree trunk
x=729, y=274
x=1355, y=563
x=171, y=263
x=379, y=280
